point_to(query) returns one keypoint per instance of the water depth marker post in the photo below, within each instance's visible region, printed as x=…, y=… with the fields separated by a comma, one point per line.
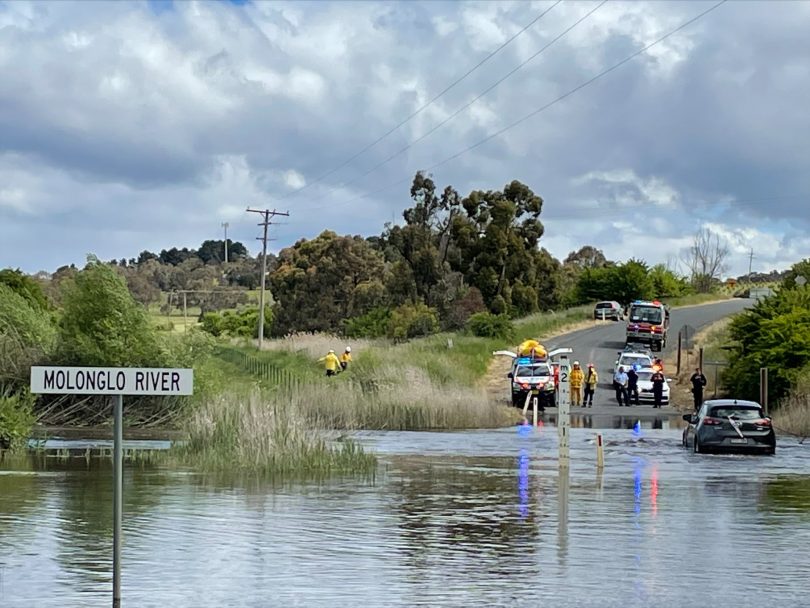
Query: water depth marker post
x=114, y=382
x=564, y=410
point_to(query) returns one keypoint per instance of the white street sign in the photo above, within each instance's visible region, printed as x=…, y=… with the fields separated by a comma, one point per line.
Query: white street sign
x=111, y=381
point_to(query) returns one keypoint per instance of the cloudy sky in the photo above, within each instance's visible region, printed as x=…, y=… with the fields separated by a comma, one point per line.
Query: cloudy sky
x=145, y=125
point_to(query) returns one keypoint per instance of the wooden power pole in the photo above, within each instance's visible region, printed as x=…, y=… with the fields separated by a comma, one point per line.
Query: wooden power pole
x=265, y=224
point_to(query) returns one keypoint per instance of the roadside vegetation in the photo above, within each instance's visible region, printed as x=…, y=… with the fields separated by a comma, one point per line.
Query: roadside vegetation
x=774, y=333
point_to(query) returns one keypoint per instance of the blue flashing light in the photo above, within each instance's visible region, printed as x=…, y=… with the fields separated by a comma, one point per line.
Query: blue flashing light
x=636, y=366
x=524, y=360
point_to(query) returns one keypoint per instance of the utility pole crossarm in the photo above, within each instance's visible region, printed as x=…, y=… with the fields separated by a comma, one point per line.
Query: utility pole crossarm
x=266, y=214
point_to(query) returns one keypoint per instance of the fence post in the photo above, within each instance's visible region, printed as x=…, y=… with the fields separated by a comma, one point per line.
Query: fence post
x=534, y=410
x=715, y=381
x=600, y=452
x=680, y=341
x=700, y=358
x=763, y=388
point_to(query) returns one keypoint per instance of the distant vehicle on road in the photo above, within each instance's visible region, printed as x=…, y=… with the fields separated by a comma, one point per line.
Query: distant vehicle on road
x=648, y=323
x=636, y=360
x=729, y=425
x=645, y=387
x=608, y=310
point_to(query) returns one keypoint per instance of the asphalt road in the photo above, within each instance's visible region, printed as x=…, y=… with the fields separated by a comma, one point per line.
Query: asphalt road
x=600, y=343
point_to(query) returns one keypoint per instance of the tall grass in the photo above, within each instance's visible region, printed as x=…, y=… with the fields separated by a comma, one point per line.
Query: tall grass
x=793, y=415
x=266, y=433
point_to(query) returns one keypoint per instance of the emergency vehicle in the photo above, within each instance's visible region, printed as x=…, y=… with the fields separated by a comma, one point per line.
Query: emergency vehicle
x=648, y=323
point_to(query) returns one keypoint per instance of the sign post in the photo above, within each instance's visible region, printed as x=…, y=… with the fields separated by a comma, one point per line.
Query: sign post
x=564, y=410
x=115, y=382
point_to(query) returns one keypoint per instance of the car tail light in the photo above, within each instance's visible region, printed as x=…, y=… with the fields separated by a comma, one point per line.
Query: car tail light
x=524, y=385
x=712, y=421
x=541, y=385
x=762, y=422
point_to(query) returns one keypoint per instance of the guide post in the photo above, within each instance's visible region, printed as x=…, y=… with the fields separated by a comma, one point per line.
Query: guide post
x=115, y=382
x=564, y=410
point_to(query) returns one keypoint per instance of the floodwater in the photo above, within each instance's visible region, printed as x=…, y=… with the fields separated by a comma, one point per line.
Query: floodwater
x=452, y=519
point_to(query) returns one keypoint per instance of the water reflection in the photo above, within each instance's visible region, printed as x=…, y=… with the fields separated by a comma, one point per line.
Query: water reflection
x=453, y=519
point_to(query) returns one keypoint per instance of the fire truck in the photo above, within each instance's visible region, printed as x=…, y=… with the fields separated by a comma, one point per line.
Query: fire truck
x=648, y=323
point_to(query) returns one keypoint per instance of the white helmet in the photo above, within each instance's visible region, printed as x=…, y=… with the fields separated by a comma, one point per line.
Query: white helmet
x=348, y=349
x=331, y=352
x=576, y=362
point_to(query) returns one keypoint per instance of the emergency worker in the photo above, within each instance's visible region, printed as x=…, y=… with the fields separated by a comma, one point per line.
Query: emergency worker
x=346, y=358
x=577, y=376
x=591, y=380
x=331, y=363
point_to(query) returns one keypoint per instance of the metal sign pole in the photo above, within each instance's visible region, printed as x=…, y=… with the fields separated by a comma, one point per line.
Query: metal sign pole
x=118, y=494
x=564, y=411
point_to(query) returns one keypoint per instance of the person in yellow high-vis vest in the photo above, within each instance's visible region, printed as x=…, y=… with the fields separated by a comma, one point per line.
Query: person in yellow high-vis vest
x=345, y=358
x=576, y=378
x=331, y=363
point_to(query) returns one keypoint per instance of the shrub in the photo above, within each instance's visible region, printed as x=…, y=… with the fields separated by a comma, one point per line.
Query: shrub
x=24, y=286
x=373, y=324
x=16, y=419
x=488, y=325
x=26, y=336
x=412, y=321
x=103, y=325
x=237, y=323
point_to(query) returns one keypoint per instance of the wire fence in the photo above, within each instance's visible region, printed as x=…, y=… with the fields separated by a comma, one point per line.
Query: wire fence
x=272, y=376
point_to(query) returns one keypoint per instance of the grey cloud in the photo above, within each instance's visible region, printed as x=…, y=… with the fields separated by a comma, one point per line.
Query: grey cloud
x=269, y=88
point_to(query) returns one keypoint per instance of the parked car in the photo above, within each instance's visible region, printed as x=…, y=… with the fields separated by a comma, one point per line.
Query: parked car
x=729, y=425
x=608, y=310
x=645, y=387
x=637, y=360
x=535, y=377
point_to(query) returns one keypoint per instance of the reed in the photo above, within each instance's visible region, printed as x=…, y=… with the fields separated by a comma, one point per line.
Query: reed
x=793, y=415
x=266, y=433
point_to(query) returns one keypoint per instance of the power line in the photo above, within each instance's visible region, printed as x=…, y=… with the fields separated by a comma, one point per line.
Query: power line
x=546, y=106
x=423, y=107
x=471, y=102
x=265, y=223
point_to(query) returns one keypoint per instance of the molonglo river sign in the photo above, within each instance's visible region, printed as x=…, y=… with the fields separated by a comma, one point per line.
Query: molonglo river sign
x=115, y=382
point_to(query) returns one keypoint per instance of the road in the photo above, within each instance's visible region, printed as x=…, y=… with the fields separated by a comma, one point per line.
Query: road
x=600, y=343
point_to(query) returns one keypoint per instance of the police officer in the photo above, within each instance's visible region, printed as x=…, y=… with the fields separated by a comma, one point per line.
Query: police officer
x=698, y=381
x=658, y=381
x=632, y=386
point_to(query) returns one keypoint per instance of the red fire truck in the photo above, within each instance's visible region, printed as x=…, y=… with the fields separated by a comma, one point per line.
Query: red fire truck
x=648, y=323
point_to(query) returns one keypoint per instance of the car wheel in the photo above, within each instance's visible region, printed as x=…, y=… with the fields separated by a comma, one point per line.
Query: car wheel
x=771, y=451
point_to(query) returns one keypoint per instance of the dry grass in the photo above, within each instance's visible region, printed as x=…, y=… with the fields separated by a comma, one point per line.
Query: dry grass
x=316, y=345
x=401, y=397
x=793, y=416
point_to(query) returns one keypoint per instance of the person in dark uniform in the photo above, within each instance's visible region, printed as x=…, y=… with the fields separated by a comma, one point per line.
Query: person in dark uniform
x=632, y=386
x=698, y=381
x=658, y=381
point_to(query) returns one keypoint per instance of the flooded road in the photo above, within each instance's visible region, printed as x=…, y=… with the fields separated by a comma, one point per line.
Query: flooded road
x=452, y=519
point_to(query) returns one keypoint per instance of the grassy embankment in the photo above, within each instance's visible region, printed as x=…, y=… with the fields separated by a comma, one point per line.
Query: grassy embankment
x=434, y=383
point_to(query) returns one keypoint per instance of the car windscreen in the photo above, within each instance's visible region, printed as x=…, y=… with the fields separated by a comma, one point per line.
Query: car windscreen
x=524, y=371
x=646, y=314
x=631, y=361
x=604, y=305
x=644, y=376
x=741, y=413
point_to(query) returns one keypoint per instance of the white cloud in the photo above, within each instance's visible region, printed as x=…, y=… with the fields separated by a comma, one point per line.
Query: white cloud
x=627, y=189
x=294, y=180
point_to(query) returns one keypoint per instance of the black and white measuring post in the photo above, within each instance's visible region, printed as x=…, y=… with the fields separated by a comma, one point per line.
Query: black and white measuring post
x=114, y=382
x=564, y=409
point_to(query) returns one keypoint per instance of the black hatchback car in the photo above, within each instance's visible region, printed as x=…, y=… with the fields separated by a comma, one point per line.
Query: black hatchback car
x=730, y=425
